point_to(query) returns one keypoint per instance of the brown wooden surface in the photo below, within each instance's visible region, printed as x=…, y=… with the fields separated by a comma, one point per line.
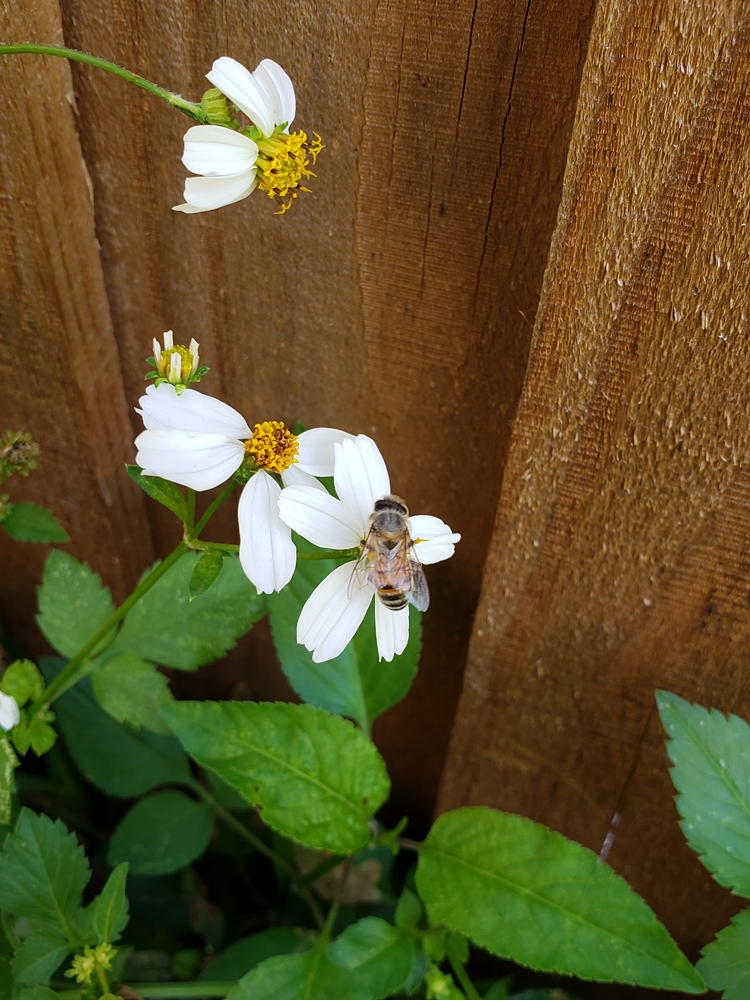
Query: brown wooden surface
x=619, y=561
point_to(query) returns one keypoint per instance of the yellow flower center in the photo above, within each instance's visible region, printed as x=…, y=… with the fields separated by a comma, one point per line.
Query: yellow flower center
x=272, y=446
x=188, y=363
x=283, y=163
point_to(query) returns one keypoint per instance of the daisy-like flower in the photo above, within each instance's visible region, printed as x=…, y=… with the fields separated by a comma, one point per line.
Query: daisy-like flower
x=198, y=441
x=175, y=364
x=234, y=162
x=10, y=714
x=335, y=609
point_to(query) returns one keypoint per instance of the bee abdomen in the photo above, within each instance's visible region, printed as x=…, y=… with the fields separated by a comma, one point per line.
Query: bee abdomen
x=393, y=599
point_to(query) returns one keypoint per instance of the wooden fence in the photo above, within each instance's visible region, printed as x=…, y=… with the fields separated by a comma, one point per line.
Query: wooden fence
x=523, y=269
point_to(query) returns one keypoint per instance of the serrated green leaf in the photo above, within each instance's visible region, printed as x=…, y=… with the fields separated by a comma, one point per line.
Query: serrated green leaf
x=523, y=891
x=382, y=954
x=119, y=759
x=22, y=681
x=242, y=956
x=162, y=834
x=111, y=906
x=8, y=763
x=161, y=490
x=132, y=690
x=73, y=603
x=317, y=779
x=28, y=522
x=43, y=872
x=206, y=570
x=169, y=628
x=355, y=683
x=725, y=962
x=38, y=957
x=711, y=757
x=42, y=737
x=300, y=977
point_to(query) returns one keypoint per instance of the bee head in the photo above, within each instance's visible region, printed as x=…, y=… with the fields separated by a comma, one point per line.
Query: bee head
x=390, y=502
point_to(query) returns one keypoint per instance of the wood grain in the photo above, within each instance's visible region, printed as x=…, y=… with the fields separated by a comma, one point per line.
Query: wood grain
x=620, y=553
x=59, y=365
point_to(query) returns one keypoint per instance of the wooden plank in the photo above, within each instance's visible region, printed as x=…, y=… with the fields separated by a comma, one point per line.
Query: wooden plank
x=397, y=299
x=620, y=553
x=59, y=362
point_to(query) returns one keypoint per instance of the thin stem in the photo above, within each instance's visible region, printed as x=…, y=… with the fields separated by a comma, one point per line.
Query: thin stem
x=329, y=554
x=74, y=668
x=189, y=108
x=460, y=972
x=181, y=991
x=410, y=845
x=221, y=546
x=251, y=838
x=325, y=934
x=212, y=509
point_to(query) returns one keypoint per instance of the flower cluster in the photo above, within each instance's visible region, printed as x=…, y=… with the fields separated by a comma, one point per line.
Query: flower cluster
x=233, y=160
x=201, y=442
x=175, y=364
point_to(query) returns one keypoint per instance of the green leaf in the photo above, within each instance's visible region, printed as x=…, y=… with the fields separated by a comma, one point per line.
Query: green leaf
x=725, y=962
x=111, y=906
x=161, y=490
x=43, y=871
x=317, y=779
x=382, y=954
x=355, y=683
x=242, y=956
x=300, y=977
x=8, y=763
x=523, y=891
x=22, y=681
x=132, y=690
x=500, y=990
x=28, y=522
x=116, y=758
x=38, y=993
x=39, y=956
x=711, y=757
x=162, y=834
x=42, y=737
x=73, y=603
x=206, y=570
x=408, y=910
x=166, y=626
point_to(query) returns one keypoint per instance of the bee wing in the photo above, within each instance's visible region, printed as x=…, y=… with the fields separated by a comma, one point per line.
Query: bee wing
x=419, y=594
x=362, y=570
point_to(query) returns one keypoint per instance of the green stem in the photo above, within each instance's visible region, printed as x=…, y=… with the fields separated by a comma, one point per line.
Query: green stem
x=212, y=509
x=410, y=845
x=181, y=991
x=460, y=973
x=329, y=554
x=74, y=668
x=231, y=821
x=189, y=108
x=221, y=546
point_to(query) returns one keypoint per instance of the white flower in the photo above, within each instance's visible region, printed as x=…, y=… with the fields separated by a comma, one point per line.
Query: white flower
x=198, y=441
x=10, y=714
x=332, y=613
x=231, y=162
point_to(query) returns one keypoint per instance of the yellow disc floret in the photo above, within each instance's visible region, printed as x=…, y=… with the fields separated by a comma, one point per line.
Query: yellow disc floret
x=272, y=446
x=283, y=163
x=180, y=370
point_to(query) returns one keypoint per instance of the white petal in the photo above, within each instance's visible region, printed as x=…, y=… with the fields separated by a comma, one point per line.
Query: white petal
x=319, y=517
x=280, y=90
x=212, y=149
x=267, y=552
x=10, y=715
x=294, y=476
x=203, y=194
x=316, y=449
x=360, y=475
x=162, y=408
x=391, y=630
x=237, y=83
x=436, y=540
x=330, y=618
x=200, y=461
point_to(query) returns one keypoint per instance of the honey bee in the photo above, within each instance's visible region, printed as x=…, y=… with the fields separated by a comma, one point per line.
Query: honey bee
x=388, y=560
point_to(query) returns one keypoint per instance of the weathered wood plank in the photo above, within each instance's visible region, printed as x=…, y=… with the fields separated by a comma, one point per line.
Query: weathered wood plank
x=620, y=554
x=397, y=299
x=59, y=363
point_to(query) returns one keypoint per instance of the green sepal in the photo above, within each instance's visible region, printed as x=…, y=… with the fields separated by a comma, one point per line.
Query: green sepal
x=161, y=490
x=23, y=682
x=42, y=737
x=215, y=106
x=21, y=737
x=206, y=570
